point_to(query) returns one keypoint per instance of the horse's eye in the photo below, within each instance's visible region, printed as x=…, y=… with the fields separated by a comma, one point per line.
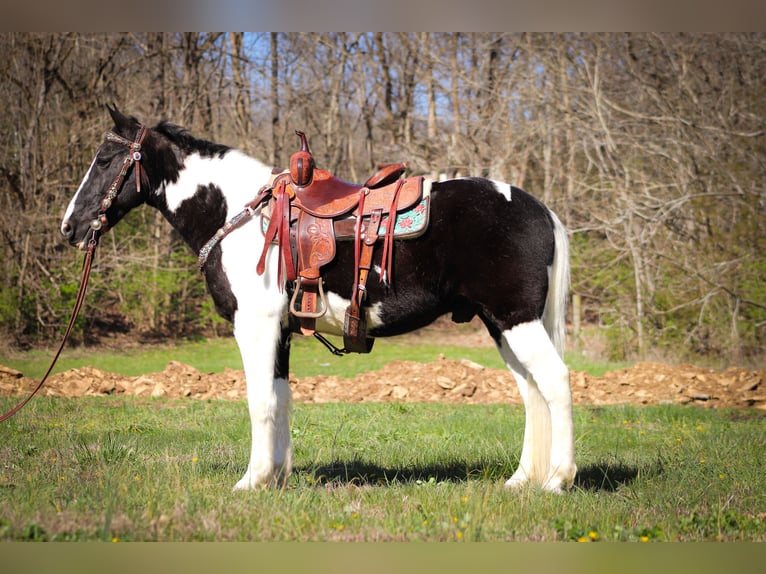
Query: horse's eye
x=103, y=161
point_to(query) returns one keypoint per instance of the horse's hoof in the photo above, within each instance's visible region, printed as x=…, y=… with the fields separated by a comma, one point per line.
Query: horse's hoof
x=244, y=483
x=517, y=481
x=559, y=484
x=275, y=479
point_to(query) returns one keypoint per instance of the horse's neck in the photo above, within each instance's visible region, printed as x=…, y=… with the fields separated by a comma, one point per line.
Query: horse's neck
x=209, y=191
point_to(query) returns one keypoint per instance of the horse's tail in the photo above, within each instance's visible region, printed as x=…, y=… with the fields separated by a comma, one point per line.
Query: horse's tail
x=554, y=314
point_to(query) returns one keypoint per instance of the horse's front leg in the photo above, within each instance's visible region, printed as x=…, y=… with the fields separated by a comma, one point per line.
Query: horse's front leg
x=265, y=349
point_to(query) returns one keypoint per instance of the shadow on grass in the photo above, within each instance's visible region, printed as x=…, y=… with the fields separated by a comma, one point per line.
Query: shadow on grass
x=608, y=478
x=363, y=473
x=595, y=477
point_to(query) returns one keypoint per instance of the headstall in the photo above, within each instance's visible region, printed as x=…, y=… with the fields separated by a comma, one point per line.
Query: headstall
x=134, y=157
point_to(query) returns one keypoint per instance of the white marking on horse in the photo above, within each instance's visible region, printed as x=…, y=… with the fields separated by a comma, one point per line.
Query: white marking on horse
x=70, y=207
x=382, y=275
x=331, y=323
x=503, y=188
x=228, y=174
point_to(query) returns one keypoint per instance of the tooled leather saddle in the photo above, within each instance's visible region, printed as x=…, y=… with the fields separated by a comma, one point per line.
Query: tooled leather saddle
x=310, y=209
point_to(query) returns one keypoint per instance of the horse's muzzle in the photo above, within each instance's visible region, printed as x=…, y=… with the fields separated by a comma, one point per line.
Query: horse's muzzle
x=67, y=231
x=69, y=234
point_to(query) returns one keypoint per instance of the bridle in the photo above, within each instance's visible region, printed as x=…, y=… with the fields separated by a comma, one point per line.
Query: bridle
x=97, y=227
x=134, y=157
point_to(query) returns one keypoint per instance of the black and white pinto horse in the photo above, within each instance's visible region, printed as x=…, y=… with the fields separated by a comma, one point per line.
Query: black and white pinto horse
x=491, y=251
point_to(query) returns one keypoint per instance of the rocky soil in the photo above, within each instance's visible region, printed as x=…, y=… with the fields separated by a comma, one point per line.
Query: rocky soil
x=407, y=381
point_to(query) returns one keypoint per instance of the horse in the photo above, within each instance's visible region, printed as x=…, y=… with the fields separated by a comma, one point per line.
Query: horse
x=491, y=250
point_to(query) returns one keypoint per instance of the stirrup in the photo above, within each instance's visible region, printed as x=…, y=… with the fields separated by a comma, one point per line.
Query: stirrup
x=321, y=309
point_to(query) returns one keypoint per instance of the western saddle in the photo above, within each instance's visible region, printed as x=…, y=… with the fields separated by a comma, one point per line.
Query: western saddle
x=309, y=209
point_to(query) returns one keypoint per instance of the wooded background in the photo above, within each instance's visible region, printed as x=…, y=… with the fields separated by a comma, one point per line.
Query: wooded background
x=650, y=147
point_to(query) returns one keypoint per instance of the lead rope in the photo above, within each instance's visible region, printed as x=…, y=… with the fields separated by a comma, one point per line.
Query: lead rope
x=86, y=265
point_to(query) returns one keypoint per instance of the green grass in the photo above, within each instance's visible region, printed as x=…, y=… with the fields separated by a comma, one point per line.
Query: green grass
x=308, y=358
x=119, y=468
x=212, y=355
x=112, y=468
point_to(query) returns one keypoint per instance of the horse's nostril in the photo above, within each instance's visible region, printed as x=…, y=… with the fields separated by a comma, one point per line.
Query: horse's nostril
x=66, y=230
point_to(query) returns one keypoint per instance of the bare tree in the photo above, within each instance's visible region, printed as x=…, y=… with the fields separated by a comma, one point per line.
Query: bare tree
x=649, y=146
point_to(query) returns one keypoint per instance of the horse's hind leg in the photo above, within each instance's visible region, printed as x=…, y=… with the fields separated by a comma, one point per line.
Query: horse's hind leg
x=264, y=347
x=537, y=422
x=548, y=452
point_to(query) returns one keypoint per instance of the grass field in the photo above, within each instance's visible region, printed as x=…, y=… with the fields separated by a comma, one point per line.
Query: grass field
x=127, y=469
x=308, y=358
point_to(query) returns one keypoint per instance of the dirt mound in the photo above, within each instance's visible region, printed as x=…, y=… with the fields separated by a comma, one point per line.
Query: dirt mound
x=653, y=383
x=407, y=381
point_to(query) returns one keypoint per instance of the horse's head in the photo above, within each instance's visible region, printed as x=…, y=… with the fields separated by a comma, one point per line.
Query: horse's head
x=117, y=181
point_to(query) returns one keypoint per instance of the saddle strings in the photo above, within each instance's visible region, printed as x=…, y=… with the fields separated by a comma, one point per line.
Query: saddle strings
x=386, y=262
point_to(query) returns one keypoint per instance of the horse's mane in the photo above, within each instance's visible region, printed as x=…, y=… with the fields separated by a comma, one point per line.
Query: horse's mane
x=187, y=142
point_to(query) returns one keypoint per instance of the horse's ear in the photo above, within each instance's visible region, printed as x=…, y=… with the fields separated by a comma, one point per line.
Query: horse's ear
x=122, y=121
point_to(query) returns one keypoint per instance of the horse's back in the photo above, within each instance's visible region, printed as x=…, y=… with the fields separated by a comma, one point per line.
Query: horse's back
x=491, y=206
x=493, y=221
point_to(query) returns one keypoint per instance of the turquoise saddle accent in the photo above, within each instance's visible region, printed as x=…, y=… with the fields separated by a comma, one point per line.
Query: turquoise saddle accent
x=409, y=224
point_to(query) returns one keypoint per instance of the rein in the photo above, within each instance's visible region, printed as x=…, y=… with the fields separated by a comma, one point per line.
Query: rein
x=97, y=227
x=86, y=266
x=231, y=225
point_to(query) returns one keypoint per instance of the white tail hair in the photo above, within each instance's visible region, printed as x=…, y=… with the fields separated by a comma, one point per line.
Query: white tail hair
x=554, y=314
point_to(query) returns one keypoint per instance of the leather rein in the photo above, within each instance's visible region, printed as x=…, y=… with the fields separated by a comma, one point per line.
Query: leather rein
x=97, y=227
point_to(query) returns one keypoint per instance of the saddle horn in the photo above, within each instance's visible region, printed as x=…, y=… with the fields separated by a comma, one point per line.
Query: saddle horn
x=302, y=163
